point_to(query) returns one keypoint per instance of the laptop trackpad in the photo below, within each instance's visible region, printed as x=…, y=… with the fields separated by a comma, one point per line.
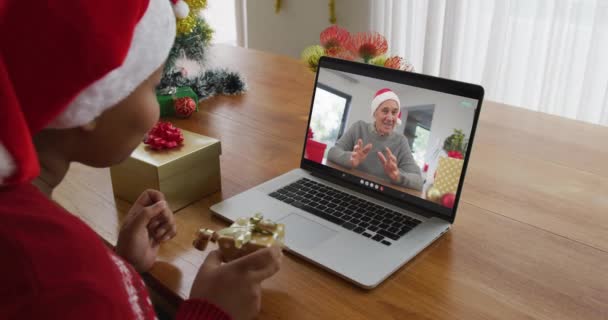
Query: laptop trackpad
x=303, y=233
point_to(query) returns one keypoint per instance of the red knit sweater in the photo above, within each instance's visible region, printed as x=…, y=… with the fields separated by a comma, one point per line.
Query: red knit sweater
x=53, y=266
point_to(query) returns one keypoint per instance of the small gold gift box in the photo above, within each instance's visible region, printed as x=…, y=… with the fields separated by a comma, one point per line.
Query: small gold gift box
x=448, y=175
x=184, y=174
x=244, y=236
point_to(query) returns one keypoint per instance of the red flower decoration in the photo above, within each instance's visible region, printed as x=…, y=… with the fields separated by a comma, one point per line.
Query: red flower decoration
x=368, y=45
x=426, y=167
x=341, y=54
x=310, y=135
x=164, y=136
x=455, y=154
x=334, y=39
x=394, y=62
x=398, y=63
x=184, y=107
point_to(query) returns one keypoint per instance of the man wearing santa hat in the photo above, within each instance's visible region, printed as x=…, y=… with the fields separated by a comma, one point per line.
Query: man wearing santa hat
x=393, y=161
x=77, y=81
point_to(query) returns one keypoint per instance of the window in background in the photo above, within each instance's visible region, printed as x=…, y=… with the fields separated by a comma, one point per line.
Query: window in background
x=329, y=114
x=543, y=55
x=421, y=143
x=221, y=17
x=418, y=121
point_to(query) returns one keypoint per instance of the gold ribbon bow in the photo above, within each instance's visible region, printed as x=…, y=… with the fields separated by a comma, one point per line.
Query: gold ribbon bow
x=243, y=229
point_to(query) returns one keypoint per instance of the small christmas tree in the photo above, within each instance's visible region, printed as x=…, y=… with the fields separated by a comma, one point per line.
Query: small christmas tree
x=185, y=66
x=456, y=144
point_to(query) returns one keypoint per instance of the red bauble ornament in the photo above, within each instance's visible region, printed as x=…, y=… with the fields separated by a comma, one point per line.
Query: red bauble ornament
x=448, y=200
x=184, y=107
x=164, y=136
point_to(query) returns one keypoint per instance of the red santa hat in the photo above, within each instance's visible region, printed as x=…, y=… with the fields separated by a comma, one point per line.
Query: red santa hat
x=65, y=62
x=385, y=95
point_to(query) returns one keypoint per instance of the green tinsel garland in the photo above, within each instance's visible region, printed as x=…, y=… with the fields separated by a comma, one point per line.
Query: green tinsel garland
x=193, y=45
x=209, y=84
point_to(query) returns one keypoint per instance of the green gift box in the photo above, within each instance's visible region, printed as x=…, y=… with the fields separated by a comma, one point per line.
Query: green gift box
x=167, y=96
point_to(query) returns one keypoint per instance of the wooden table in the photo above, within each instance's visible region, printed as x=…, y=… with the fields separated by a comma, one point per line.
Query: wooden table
x=530, y=239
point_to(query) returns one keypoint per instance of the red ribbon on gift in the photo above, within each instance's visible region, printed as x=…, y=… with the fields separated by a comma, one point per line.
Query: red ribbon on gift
x=164, y=135
x=455, y=154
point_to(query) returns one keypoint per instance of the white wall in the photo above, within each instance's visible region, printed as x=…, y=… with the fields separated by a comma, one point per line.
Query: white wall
x=299, y=23
x=220, y=14
x=361, y=95
x=449, y=114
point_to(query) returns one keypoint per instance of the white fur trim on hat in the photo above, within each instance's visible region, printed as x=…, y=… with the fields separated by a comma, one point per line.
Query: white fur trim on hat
x=385, y=96
x=7, y=165
x=150, y=46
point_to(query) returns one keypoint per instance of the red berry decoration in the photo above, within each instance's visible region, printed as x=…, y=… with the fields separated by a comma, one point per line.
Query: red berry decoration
x=184, y=107
x=448, y=200
x=164, y=136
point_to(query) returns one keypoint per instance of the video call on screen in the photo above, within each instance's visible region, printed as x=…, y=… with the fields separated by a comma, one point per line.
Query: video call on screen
x=395, y=137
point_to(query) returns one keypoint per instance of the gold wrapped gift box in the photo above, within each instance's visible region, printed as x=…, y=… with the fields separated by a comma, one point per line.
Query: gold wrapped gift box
x=184, y=174
x=244, y=236
x=448, y=175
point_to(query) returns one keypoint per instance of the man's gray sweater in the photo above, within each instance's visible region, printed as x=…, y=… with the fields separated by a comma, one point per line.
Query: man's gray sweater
x=340, y=153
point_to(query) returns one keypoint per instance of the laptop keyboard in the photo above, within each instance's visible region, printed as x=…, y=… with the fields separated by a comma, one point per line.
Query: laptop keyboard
x=360, y=216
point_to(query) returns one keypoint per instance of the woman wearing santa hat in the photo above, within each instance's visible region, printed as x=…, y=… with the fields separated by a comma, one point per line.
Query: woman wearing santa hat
x=393, y=160
x=77, y=81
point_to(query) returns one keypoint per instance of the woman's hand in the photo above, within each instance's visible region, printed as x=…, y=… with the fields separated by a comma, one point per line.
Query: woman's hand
x=359, y=153
x=148, y=223
x=235, y=287
x=390, y=165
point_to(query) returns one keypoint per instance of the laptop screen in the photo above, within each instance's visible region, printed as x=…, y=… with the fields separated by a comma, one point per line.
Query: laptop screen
x=403, y=139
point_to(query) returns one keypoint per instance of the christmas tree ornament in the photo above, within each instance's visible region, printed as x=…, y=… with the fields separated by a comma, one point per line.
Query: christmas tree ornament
x=185, y=66
x=184, y=107
x=332, y=12
x=277, y=6
x=433, y=194
x=448, y=200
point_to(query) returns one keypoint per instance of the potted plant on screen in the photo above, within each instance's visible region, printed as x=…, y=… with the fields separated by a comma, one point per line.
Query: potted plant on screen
x=447, y=175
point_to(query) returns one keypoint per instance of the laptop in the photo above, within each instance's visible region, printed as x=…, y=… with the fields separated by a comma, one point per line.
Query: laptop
x=361, y=218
